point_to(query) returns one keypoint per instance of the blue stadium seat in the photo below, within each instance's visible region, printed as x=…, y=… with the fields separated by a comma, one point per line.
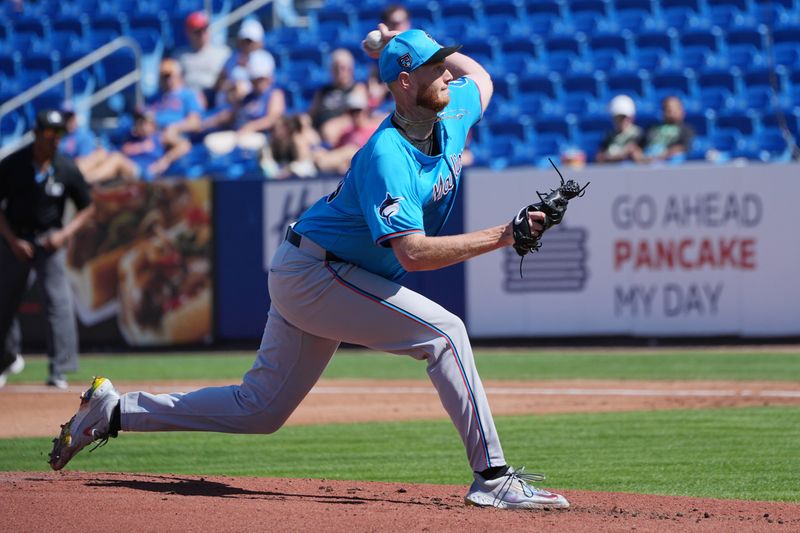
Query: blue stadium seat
x=729, y=79
x=47, y=63
x=155, y=22
x=701, y=39
x=717, y=98
x=594, y=123
x=770, y=13
x=32, y=25
x=754, y=35
x=588, y=15
x=9, y=64
x=114, y=22
x=679, y=13
x=673, y=83
x=542, y=85
x=779, y=121
x=502, y=18
x=542, y=17
x=771, y=146
x=700, y=122
x=742, y=56
x=330, y=22
x=633, y=83
x=519, y=53
x=739, y=122
x=12, y=126
x=662, y=40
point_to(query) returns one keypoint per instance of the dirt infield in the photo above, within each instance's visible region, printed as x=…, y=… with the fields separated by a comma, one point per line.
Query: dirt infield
x=47, y=501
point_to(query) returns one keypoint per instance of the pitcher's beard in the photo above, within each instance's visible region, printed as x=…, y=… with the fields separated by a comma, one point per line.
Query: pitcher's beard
x=433, y=99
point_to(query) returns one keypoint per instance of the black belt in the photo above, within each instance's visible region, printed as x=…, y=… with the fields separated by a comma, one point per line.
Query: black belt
x=295, y=239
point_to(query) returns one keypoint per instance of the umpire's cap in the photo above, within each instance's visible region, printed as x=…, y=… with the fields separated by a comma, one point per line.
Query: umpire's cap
x=409, y=51
x=51, y=119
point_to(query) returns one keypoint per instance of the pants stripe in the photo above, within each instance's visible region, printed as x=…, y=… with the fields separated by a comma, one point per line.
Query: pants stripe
x=447, y=338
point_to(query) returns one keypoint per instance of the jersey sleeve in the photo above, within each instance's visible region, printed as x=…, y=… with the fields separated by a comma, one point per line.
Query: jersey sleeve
x=465, y=97
x=389, y=200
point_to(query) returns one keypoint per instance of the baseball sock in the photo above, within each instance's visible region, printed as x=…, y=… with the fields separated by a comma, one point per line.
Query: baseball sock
x=115, y=425
x=494, y=472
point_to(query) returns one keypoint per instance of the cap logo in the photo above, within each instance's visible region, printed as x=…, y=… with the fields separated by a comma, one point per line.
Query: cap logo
x=405, y=60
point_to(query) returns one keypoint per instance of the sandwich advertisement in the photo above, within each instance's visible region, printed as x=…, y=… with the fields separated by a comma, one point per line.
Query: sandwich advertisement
x=141, y=269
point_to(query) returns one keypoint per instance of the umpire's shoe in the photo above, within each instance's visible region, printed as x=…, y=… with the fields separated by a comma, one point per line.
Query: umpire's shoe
x=513, y=490
x=89, y=424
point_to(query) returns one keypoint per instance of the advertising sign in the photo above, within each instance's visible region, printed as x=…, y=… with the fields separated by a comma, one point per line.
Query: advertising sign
x=690, y=251
x=141, y=268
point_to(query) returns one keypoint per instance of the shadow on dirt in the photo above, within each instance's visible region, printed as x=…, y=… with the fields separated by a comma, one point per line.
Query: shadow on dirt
x=173, y=485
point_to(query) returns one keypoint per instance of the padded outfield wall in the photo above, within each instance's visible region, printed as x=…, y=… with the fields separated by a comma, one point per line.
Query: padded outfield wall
x=684, y=251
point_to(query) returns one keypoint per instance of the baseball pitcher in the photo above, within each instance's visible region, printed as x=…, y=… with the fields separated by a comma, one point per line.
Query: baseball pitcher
x=336, y=276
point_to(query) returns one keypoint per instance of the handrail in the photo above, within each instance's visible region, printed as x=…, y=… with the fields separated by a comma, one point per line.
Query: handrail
x=66, y=74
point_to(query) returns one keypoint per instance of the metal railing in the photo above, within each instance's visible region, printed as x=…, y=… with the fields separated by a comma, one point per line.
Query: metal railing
x=65, y=76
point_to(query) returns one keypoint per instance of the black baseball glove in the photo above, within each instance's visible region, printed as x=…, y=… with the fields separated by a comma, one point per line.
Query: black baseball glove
x=553, y=205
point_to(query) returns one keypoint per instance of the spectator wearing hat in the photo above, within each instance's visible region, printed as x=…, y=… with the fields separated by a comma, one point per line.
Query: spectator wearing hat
x=202, y=60
x=329, y=109
x=35, y=183
x=177, y=108
x=249, y=39
x=250, y=118
x=93, y=160
x=623, y=142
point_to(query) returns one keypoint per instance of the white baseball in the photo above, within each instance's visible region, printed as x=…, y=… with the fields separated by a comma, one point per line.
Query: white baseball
x=374, y=40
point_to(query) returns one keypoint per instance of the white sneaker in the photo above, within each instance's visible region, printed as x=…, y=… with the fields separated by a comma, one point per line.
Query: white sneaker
x=15, y=368
x=513, y=491
x=89, y=424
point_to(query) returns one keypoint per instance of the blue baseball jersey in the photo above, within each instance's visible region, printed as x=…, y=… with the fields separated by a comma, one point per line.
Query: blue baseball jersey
x=392, y=189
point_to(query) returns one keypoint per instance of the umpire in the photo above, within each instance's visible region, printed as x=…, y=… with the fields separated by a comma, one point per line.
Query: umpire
x=35, y=183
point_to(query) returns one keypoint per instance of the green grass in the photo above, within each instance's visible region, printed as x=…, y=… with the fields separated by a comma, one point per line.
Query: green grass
x=498, y=365
x=748, y=453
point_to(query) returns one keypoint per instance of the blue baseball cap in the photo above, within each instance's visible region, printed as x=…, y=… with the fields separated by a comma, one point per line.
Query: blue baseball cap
x=409, y=51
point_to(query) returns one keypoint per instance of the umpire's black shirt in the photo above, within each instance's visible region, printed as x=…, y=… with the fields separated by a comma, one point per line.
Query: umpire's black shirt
x=35, y=200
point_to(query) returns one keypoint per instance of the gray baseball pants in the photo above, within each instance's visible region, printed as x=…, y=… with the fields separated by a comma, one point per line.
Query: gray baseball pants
x=317, y=304
x=51, y=280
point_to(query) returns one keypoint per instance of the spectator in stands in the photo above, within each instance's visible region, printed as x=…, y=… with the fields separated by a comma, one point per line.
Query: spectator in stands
x=623, y=143
x=291, y=148
x=396, y=18
x=354, y=136
x=672, y=137
x=177, y=109
x=328, y=109
x=251, y=117
x=250, y=38
x=150, y=150
x=95, y=162
x=203, y=60
x=36, y=183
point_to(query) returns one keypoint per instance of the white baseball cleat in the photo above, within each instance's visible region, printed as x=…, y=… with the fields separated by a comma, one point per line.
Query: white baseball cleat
x=513, y=490
x=89, y=424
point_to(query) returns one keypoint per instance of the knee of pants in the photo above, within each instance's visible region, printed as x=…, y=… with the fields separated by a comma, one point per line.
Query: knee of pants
x=454, y=338
x=266, y=423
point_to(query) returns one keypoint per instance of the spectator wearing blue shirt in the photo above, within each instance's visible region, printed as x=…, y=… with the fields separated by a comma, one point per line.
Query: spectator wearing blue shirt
x=150, y=151
x=95, y=162
x=250, y=39
x=177, y=108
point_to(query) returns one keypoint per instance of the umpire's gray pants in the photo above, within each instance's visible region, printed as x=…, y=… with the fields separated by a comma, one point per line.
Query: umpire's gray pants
x=315, y=306
x=51, y=281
